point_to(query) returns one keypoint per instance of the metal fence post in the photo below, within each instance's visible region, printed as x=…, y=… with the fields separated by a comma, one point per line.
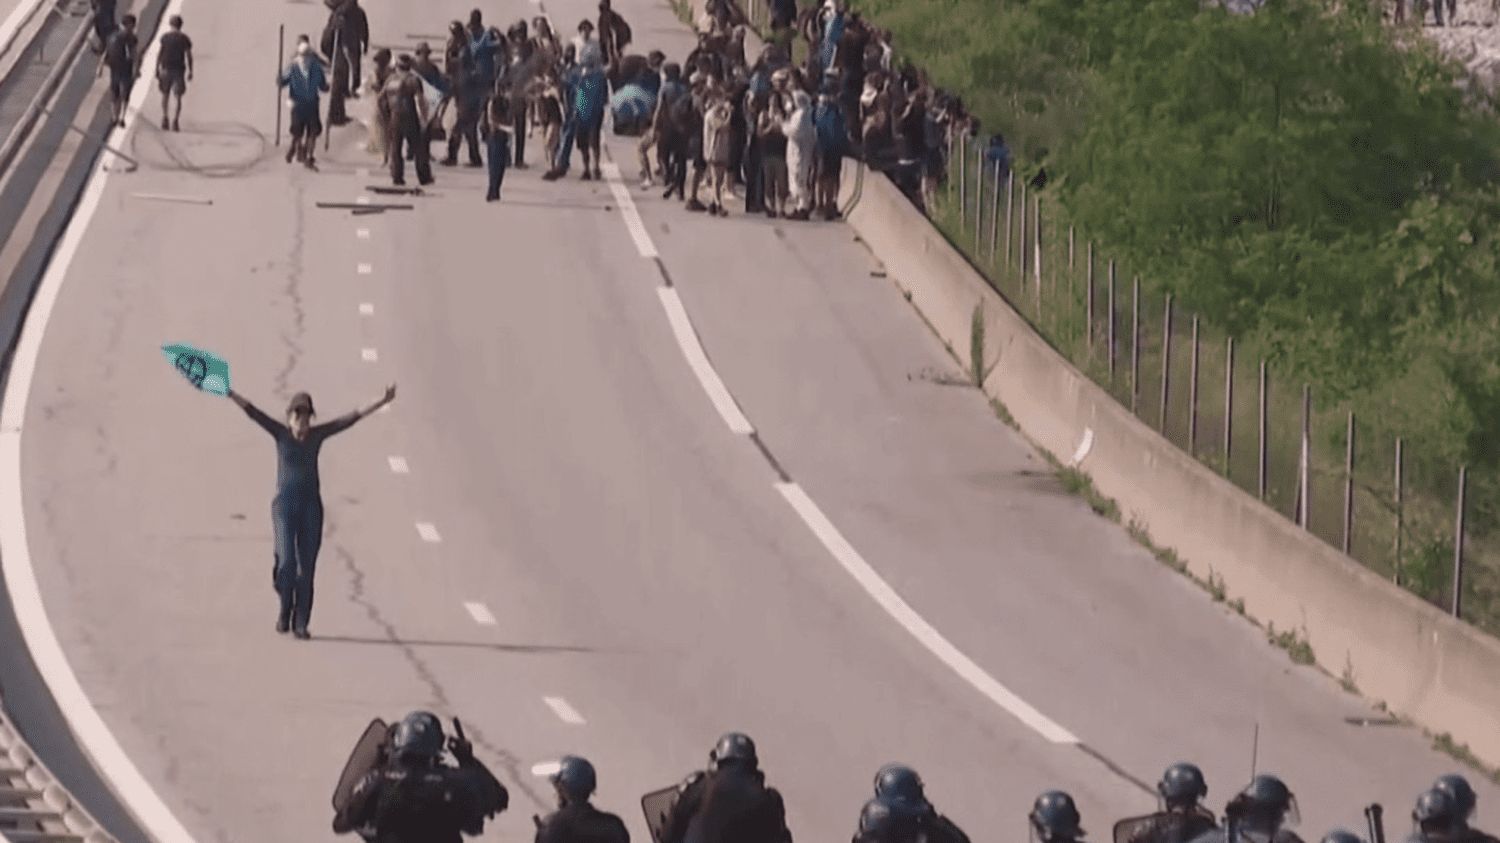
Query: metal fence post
x=1110, y=328
x=1228, y=401
x=1260, y=468
x=1400, y=502
x=1135, y=341
x=1010, y=204
x=1349, y=484
x=1458, y=542
x=1021, y=239
x=978, y=195
x=963, y=178
x=1193, y=394
x=1303, y=457
x=995, y=214
x=952, y=144
x=1088, y=304
x=1036, y=256
x=1166, y=363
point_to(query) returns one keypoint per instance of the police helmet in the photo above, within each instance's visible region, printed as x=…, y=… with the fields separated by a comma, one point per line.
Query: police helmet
x=575, y=778
x=875, y=818
x=1435, y=809
x=1463, y=795
x=1339, y=835
x=899, y=786
x=1182, y=784
x=1055, y=817
x=419, y=736
x=1265, y=799
x=735, y=747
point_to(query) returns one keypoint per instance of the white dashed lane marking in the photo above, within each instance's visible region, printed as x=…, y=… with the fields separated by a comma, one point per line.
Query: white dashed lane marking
x=363, y=233
x=566, y=713
x=364, y=269
x=398, y=465
x=428, y=532
x=480, y=613
x=362, y=200
x=369, y=355
x=366, y=309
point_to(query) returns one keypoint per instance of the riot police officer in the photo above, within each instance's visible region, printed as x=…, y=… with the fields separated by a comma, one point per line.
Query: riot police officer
x=576, y=820
x=1340, y=835
x=1258, y=814
x=415, y=798
x=1054, y=818
x=1181, y=817
x=879, y=823
x=728, y=803
x=1464, y=802
x=901, y=789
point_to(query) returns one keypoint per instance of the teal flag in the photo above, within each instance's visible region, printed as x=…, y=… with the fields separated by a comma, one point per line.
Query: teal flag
x=203, y=369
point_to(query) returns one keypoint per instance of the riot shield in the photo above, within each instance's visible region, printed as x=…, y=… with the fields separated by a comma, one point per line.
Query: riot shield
x=365, y=757
x=657, y=805
x=1134, y=829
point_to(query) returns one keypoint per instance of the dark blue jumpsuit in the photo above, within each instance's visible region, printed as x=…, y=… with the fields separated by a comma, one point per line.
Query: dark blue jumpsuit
x=297, y=512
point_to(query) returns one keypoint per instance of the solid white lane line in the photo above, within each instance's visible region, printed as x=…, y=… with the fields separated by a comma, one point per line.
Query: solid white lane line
x=480, y=613
x=364, y=269
x=920, y=629
x=566, y=713
x=428, y=532
x=362, y=233
x=633, y=222
x=545, y=768
x=369, y=355
x=398, y=465
x=687, y=340
x=88, y=727
x=366, y=309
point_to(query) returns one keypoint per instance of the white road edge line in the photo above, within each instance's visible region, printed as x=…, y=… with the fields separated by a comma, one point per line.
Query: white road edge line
x=687, y=340
x=545, y=768
x=428, y=532
x=633, y=222
x=566, y=713
x=480, y=613
x=398, y=465
x=88, y=727
x=920, y=629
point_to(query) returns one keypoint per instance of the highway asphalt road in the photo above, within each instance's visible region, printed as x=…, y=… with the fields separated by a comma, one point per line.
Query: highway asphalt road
x=638, y=582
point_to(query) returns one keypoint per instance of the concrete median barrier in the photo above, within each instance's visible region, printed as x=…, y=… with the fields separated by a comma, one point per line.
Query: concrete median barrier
x=1422, y=663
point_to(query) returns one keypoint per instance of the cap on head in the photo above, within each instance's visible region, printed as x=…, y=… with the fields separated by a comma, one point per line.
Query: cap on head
x=1464, y=798
x=175, y=21
x=423, y=48
x=1055, y=817
x=575, y=778
x=456, y=27
x=301, y=404
x=899, y=786
x=419, y=737
x=585, y=25
x=1182, y=784
x=735, y=748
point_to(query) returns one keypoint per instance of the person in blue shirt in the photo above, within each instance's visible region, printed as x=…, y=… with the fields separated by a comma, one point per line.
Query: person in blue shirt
x=304, y=80
x=297, y=509
x=831, y=138
x=998, y=154
x=586, y=92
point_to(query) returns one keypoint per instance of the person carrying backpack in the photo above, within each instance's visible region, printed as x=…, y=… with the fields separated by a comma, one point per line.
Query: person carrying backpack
x=122, y=55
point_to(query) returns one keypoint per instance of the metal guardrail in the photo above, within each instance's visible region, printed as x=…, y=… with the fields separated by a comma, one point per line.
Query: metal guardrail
x=18, y=134
x=34, y=808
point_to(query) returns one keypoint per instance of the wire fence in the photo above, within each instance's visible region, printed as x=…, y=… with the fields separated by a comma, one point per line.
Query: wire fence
x=1411, y=516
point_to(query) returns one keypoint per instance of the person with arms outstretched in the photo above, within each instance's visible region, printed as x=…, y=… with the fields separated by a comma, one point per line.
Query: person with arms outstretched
x=297, y=509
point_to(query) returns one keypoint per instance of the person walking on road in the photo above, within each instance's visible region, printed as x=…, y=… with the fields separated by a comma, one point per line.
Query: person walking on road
x=304, y=80
x=297, y=509
x=174, y=69
x=406, y=102
x=498, y=126
x=122, y=55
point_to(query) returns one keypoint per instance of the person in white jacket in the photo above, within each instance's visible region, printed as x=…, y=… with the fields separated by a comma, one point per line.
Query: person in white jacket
x=801, y=140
